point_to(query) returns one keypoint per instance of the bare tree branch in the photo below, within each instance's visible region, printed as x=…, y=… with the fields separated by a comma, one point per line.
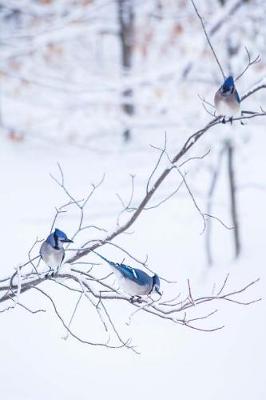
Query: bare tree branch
x=251, y=62
x=208, y=39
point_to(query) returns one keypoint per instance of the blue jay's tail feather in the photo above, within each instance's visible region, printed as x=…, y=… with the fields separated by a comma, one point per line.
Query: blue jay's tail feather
x=105, y=259
x=124, y=270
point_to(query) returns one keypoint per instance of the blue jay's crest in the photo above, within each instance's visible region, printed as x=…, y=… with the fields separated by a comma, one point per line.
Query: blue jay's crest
x=228, y=85
x=60, y=234
x=57, y=237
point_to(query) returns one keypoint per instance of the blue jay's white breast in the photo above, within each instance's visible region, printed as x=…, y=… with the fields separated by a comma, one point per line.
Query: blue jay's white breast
x=226, y=106
x=131, y=287
x=52, y=257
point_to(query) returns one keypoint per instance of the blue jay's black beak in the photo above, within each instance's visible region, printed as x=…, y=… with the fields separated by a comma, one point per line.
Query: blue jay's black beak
x=67, y=241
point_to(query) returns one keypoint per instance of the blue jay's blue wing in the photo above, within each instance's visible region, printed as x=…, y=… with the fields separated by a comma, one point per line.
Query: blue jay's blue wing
x=237, y=96
x=134, y=274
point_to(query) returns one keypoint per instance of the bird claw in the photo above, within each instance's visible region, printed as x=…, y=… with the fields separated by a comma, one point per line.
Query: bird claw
x=224, y=121
x=50, y=274
x=135, y=299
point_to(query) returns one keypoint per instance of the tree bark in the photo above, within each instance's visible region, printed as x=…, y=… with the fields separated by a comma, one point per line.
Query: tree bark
x=126, y=34
x=233, y=197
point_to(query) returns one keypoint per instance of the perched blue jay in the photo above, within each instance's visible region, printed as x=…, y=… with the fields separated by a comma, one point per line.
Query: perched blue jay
x=52, y=251
x=226, y=99
x=134, y=281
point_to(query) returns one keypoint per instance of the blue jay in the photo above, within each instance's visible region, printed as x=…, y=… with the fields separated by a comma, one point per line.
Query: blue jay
x=52, y=251
x=134, y=281
x=226, y=99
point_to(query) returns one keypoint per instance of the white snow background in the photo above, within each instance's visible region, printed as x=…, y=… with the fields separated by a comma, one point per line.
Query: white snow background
x=83, y=132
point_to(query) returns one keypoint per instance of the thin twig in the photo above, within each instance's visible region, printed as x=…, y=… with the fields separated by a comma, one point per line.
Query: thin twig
x=208, y=39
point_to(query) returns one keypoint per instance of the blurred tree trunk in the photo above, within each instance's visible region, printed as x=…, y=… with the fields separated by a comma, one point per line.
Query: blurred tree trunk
x=126, y=34
x=213, y=184
x=223, y=2
x=230, y=151
x=233, y=197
